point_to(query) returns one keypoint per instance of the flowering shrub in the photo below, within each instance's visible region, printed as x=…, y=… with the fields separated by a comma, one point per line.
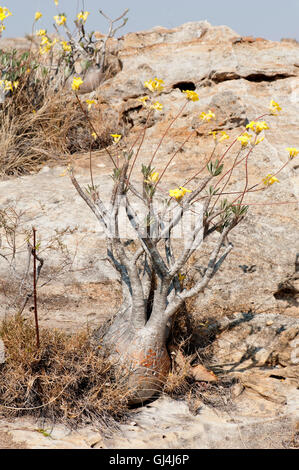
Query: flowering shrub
x=220, y=210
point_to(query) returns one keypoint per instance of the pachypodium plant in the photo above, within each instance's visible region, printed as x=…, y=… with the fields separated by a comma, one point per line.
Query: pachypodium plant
x=150, y=268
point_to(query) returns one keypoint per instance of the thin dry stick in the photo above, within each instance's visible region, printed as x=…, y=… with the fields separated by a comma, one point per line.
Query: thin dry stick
x=34, y=287
x=90, y=168
x=172, y=157
x=165, y=133
x=141, y=142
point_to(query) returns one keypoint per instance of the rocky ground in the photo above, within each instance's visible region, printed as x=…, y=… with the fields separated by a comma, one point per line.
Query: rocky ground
x=250, y=312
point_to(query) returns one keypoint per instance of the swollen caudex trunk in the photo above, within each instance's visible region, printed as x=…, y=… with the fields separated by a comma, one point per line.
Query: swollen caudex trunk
x=139, y=355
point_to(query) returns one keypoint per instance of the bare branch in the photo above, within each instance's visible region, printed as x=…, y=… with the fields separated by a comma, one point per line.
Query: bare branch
x=213, y=266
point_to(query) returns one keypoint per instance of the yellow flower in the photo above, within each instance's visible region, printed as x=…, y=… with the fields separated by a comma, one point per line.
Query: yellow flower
x=60, y=19
x=269, y=179
x=207, y=116
x=153, y=177
x=77, y=82
x=260, y=126
x=45, y=49
x=56, y=2
x=178, y=193
x=143, y=100
x=158, y=106
x=44, y=40
x=257, y=126
x=37, y=15
x=16, y=84
x=4, y=13
x=83, y=16
x=6, y=85
x=244, y=139
x=90, y=103
x=191, y=95
x=94, y=135
x=184, y=190
x=154, y=85
x=65, y=46
x=293, y=151
x=259, y=140
x=40, y=32
x=64, y=173
x=274, y=107
x=116, y=138
x=46, y=45
x=181, y=277
x=2, y=28
x=224, y=136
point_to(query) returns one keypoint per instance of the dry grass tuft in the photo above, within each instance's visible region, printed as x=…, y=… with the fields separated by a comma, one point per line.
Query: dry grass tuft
x=64, y=381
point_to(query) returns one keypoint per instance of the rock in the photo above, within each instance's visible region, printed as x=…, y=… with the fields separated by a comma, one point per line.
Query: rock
x=263, y=340
x=200, y=373
x=260, y=351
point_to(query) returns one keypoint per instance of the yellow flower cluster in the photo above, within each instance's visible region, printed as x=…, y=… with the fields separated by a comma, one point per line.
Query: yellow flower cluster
x=157, y=106
x=143, y=100
x=46, y=44
x=224, y=136
x=274, y=107
x=270, y=179
x=41, y=32
x=83, y=16
x=90, y=103
x=7, y=85
x=37, y=15
x=77, y=82
x=178, y=193
x=259, y=140
x=60, y=20
x=293, y=151
x=153, y=178
x=4, y=13
x=191, y=95
x=116, y=138
x=257, y=126
x=207, y=116
x=244, y=139
x=155, y=85
x=66, y=46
